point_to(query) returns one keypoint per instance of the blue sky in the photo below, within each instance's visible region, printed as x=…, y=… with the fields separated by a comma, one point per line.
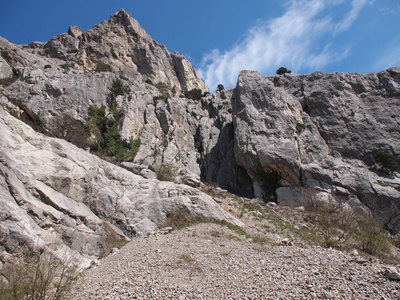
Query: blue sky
x=220, y=38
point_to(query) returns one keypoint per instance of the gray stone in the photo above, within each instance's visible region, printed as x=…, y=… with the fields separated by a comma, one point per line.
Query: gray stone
x=77, y=198
x=5, y=69
x=392, y=273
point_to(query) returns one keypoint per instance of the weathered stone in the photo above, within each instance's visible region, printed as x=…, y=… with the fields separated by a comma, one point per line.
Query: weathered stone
x=5, y=69
x=75, y=193
x=120, y=44
x=392, y=273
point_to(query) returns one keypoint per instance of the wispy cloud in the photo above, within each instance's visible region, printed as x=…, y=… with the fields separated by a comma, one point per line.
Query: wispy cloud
x=390, y=57
x=294, y=39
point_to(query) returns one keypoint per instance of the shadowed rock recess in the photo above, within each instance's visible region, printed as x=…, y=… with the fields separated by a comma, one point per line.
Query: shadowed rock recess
x=287, y=138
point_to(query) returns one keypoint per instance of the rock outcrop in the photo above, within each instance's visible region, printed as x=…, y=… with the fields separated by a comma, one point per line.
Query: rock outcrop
x=315, y=133
x=51, y=190
x=120, y=44
x=289, y=138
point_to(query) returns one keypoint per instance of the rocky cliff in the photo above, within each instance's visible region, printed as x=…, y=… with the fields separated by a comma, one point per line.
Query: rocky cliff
x=286, y=138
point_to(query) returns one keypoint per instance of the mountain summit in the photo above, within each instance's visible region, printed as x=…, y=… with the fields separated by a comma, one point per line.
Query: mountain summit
x=119, y=45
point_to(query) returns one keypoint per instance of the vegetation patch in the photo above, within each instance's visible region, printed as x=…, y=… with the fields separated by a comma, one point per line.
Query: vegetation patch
x=300, y=127
x=283, y=70
x=166, y=172
x=65, y=66
x=385, y=160
x=195, y=94
x=39, y=123
x=6, y=56
x=40, y=274
x=164, y=89
x=118, y=88
x=178, y=218
x=105, y=137
x=148, y=81
x=186, y=261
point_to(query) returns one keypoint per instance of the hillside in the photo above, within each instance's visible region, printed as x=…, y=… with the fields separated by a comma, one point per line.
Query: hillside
x=105, y=133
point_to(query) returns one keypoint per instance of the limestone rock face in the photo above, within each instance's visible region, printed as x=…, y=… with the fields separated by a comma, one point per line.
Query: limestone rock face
x=294, y=138
x=51, y=190
x=5, y=69
x=317, y=133
x=120, y=44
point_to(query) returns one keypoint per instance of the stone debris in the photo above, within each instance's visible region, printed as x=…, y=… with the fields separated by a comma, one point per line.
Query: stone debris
x=192, y=264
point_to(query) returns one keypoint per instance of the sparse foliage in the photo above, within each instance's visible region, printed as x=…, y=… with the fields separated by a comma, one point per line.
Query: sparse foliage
x=178, y=217
x=164, y=89
x=166, y=172
x=118, y=88
x=39, y=123
x=105, y=137
x=385, y=160
x=110, y=240
x=194, y=94
x=336, y=222
x=6, y=56
x=40, y=275
x=65, y=66
x=370, y=236
x=220, y=87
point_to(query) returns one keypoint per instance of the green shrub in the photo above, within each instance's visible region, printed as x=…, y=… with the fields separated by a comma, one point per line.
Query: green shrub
x=385, y=160
x=220, y=87
x=39, y=123
x=300, y=127
x=195, y=94
x=118, y=88
x=148, y=81
x=47, y=67
x=282, y=70
x=105, y=136
x=65, y=66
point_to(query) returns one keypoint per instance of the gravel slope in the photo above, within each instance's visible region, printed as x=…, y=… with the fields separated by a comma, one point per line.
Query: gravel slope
x=201, y=262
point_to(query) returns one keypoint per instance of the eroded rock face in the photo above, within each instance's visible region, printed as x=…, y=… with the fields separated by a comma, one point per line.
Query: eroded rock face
x=120, y=44
x=317, y=133
x=51, y=190
x=292, y=137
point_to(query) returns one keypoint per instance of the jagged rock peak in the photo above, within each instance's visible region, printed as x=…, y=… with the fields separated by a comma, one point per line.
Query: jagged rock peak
x=120, y=44
x=130, y=25
x=75, y=31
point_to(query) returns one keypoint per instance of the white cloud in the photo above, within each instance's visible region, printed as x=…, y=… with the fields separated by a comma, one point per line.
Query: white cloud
x=293, y=40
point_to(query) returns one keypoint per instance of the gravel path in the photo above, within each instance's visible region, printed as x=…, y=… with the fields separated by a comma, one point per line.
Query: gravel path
x=202, y=263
